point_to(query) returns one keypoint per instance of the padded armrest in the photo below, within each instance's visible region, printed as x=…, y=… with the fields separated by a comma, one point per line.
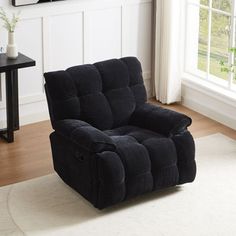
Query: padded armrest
x=158, y=119
x=84, y=135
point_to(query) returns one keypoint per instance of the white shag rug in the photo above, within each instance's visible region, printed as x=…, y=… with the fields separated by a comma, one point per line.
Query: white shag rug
x=206, y=207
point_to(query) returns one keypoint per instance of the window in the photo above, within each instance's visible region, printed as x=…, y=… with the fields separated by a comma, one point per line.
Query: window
x=210, y=34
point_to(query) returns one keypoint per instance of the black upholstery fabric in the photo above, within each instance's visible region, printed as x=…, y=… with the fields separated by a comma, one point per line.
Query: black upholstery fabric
x=109, y=144
x=164, y=121
x=104, y=94
x=84, y=135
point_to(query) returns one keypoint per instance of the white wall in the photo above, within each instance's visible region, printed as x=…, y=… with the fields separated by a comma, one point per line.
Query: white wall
x=62, y=34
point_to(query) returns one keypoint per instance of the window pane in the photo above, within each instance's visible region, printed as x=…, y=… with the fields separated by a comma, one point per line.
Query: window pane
x=220, y=32
x=234, y=75
x=234, y=54
x=204, y=2
x=224, y=5
x=202, y=40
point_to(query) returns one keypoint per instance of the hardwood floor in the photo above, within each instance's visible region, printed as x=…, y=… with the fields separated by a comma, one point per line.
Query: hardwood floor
x=30, y=155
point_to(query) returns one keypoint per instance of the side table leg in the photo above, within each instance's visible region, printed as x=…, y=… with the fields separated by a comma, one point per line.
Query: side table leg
x=15, y=99
x=12, y=104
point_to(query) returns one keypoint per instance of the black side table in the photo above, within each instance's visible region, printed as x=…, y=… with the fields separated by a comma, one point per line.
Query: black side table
x=10, y=68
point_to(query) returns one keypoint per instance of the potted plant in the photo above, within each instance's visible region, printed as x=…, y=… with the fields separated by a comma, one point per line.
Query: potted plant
x=229, y=68
x=10, y=25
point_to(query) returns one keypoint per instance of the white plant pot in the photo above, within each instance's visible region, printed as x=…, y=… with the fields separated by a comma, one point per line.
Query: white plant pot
x=12, y=51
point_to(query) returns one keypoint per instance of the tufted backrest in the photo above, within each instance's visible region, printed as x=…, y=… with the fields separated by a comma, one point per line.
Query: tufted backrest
x=104, y=94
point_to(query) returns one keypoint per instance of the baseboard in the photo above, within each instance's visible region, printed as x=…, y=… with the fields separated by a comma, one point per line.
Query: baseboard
x=29, y=119
x=213, y=108
x=147, y=83
x=34, y=118
x=29, y=113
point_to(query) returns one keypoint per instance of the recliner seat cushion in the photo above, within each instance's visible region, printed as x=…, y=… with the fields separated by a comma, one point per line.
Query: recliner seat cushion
x=149, y=158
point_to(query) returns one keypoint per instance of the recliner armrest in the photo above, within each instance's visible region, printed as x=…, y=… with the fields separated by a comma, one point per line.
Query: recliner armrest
x=84, y=135
x=158, y=119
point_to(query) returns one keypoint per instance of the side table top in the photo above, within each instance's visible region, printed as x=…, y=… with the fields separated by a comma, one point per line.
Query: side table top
x=21, y=61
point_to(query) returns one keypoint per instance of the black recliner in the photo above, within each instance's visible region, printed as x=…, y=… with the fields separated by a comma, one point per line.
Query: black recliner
x=109, y=144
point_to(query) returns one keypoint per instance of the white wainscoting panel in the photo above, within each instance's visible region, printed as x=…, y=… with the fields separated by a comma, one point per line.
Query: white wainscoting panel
x=66, y=46
x=29, y=40
x=102, y=35
x=137, y=33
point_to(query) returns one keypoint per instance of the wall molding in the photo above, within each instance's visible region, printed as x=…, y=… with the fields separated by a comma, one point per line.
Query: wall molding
x=28, y=100
x=34, y=117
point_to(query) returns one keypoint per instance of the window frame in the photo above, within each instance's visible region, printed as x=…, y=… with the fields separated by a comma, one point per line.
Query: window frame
x=207, y=76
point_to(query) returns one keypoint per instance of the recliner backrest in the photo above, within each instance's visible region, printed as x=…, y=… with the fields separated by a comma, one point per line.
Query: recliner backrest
x=104, y=94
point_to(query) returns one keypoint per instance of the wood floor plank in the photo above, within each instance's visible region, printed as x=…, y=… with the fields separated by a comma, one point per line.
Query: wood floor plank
x=30, y=155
